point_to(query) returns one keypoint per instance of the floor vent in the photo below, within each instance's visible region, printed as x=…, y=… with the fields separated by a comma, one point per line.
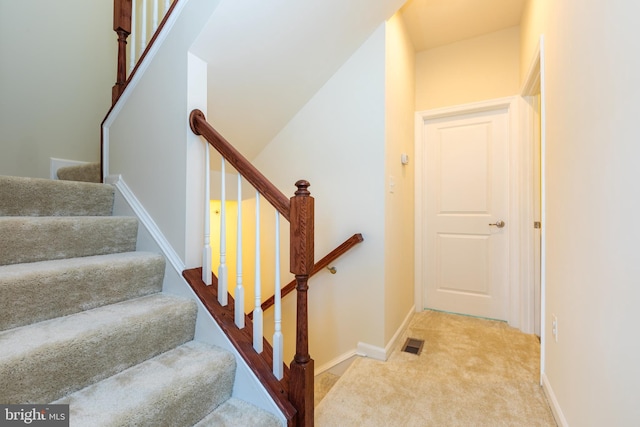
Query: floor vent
x=413, y=346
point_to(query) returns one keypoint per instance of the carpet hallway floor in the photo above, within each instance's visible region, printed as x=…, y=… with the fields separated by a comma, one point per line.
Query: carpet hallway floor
x=471, y=372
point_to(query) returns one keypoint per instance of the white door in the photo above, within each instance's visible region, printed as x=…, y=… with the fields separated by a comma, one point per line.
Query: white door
x=465, y=265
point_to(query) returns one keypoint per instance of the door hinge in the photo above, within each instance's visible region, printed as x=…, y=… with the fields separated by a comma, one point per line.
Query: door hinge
x=537, y=224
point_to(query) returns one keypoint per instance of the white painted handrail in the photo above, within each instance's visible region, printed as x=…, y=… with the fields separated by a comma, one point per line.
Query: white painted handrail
x=206, y=250
x=133, y=58
x=156, y=16
x=223, y=287
x=278, y=345
x=239, y=294
x=143, y=27
x=258, y=331
x=239, y=314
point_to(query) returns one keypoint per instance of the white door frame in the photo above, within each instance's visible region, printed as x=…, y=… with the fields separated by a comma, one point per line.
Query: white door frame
x=518, y=297
x=534, y=84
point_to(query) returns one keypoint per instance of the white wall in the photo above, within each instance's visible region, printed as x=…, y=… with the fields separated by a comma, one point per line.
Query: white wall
x=150, y=143
x=337, y=142
x=57, y=69
x=476, y=69
x=399, y=204
x=592, y=203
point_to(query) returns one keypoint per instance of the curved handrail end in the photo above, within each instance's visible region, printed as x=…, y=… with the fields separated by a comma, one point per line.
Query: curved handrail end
x=195, y=114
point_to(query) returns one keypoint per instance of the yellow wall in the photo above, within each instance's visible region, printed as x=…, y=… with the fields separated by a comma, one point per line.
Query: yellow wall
x=531, y=27
x=399, y=205
x=337, y=142
x=477, y=69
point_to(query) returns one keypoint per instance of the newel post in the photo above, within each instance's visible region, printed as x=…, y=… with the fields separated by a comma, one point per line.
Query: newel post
x=302, y=261
x=122, y=26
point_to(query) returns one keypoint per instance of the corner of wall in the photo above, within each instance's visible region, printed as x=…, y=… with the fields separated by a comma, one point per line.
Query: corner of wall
x=379, y=353
x=553, y=402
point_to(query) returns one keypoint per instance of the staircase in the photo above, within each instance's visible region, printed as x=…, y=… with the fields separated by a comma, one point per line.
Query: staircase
x=84, y=322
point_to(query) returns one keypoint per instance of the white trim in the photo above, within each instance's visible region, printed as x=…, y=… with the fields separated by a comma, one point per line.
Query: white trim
x=55, y=164
x=135, y=79
x=372, y=351
x=418, y=243
x=535, y=76
x=543, y=208
x=147, y=222
x=336, y=362
x=526, y=217
x=553, y=402
x=379, y=353
x=516, y=297
x=470, y=108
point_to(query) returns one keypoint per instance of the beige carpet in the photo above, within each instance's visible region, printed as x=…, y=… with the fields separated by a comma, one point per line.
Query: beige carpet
x=471, y=372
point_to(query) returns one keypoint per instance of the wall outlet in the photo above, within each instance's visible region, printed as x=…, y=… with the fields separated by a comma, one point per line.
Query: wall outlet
x=554, y=327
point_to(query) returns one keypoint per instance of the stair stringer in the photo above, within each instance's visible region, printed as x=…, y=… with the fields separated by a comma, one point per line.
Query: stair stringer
x=246, y=385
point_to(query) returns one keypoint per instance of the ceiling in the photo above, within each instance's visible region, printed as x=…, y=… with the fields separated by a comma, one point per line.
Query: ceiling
x=433, y=23
x=266, y=59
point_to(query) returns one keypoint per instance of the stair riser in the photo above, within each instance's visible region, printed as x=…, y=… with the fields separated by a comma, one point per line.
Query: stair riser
x=69, y=353
x=177, y=388
x=35, y=292
x=31, y=239
x=43, y=197
x=89, y=172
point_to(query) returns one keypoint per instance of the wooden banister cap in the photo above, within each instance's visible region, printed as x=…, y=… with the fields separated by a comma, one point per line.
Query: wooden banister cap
x=302, y=188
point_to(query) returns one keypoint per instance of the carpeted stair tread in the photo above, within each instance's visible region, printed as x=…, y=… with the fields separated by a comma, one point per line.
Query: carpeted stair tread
x=87, y=172
x=38, y=291
x=30, y=239
x=235, y=412
x=47, y=360
x=176, y=388
x=45, y=197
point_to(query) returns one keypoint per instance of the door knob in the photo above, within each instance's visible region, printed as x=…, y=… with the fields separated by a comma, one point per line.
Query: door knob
x=499, y=224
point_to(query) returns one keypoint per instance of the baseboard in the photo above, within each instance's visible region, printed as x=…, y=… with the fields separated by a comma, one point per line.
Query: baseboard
x=55, y=164
x=379, y=353
x=553, y=402
x=148, y=222
x=338, y=365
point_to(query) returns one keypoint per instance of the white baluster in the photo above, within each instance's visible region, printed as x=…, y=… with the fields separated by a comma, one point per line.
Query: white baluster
x=156, y=15
x=277, y=335
x=167, y=3
x=132, y=40
x=222, y=268
x=143, y=27
x=206, y=250
x=257, y=309
x=239, y=306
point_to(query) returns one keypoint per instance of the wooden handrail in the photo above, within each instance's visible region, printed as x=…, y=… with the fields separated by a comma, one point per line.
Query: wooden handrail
x=299, y=211
x=200, y=126
x=323, y=263
x=242, y=340
x=122, y=26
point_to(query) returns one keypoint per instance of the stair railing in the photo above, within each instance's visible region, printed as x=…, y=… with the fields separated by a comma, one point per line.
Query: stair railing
x=323, y=263
x=142, y=20
x=299, y=211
